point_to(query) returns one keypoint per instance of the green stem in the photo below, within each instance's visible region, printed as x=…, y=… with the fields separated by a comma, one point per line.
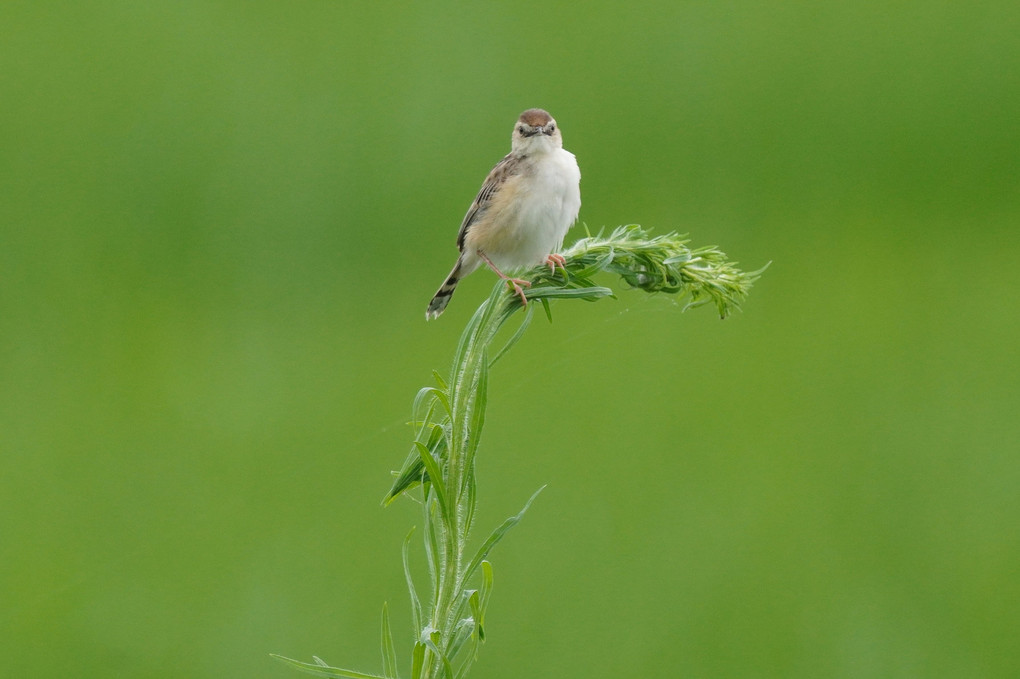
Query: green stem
x=660, y=264
x=449, y=419
x=468, y=390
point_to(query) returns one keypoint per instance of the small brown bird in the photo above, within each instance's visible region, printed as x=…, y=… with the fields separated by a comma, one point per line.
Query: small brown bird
x=525, y=208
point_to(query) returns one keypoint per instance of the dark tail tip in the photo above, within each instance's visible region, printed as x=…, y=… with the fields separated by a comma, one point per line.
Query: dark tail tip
x=441, y=299
x=445, y=292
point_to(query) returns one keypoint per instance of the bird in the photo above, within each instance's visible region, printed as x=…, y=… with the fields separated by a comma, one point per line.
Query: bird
x=523, y=211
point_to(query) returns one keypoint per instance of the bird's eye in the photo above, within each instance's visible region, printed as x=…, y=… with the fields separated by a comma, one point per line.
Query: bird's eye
x=521, y=129
x=552, y=128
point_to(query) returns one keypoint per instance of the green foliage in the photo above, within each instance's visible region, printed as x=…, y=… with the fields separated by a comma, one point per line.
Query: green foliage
x=448, y=419
x=658, y=264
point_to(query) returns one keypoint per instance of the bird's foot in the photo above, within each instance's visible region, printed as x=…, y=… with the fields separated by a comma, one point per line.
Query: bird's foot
x=519, y=284
x=554, y=260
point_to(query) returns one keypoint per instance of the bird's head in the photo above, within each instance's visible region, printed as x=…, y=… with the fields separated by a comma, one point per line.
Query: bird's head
x=535, y=132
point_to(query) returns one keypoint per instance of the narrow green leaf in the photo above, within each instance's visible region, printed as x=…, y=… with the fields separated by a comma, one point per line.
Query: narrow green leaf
x=595, y=292
x=469, y=508
x=496, y=536
x=417, y=660
x=435, y=476
x=463, y=607
x=466, y=339
x=413, y=472
x=464, y=632
x=422, y=398
x=415, y=601
x=389, y=654
x=475, y=416
x=469, y=660
x=433, y=549
x=325, y=670
x=426, y=427
x=599, y=264
x=409, y=476
x=486, y=590
x=476, y=612
x=439, y=380
x=432, y=641
x=514, y=338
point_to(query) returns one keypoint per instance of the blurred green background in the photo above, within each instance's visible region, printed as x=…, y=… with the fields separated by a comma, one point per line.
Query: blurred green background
x=220, y=224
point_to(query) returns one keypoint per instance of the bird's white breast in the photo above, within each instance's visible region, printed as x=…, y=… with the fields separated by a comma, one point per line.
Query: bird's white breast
x=548, y=200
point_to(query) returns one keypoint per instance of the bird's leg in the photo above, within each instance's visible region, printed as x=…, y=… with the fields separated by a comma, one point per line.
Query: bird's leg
x=515, y=282
x=554, y=260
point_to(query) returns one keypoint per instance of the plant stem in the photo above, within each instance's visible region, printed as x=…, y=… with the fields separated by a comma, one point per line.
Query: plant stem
x=449, y=417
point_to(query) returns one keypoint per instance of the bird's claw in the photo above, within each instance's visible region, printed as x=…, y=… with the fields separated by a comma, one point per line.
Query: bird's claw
x=554, y=260
x=519, y=284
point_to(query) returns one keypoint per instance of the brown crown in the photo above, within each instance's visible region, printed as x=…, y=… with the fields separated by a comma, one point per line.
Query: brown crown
x=535, y=117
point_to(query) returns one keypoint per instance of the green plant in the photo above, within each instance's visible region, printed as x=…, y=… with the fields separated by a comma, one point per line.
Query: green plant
x=448, y=420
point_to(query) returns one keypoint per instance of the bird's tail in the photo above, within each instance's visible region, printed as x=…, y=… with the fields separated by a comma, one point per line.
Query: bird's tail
x=445, y=292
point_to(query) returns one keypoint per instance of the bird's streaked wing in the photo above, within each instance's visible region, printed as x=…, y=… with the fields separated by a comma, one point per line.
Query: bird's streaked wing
x=506, y=168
